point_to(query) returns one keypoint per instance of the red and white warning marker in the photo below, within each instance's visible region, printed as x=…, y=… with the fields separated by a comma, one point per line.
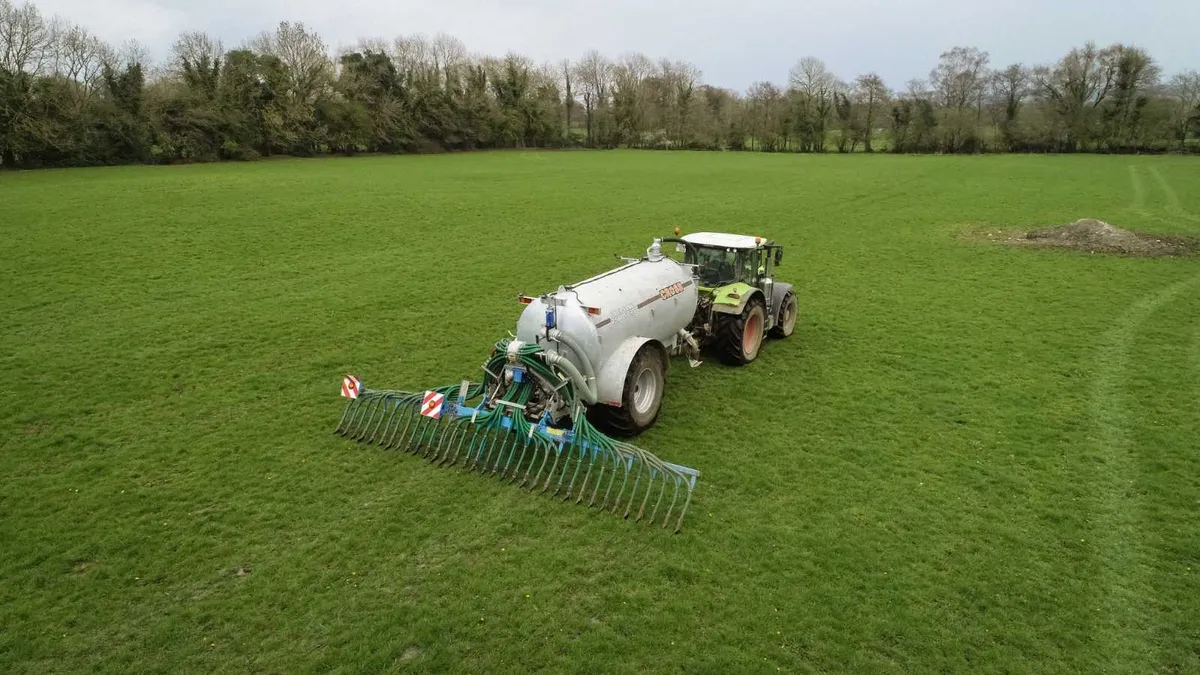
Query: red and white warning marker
x=431, y=405
x=351, y=386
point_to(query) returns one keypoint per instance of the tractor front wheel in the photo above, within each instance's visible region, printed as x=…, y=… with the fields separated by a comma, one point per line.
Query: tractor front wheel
x=739, y=337
x=788, y=310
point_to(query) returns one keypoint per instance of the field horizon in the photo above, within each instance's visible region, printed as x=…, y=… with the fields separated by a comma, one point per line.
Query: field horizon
x=969, y=456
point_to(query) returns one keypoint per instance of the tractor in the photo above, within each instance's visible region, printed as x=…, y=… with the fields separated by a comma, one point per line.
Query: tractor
x=594, y=350
x=739, y=301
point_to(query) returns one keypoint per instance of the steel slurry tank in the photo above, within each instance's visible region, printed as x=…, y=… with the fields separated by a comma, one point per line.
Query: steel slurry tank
x=654, y=297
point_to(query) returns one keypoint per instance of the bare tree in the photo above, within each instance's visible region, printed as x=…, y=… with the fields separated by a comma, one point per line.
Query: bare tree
x=631, y=107
x=815, y=86
x=52, y=62
x=195, y=49
x=872, y=95
x=564, y=74
x=76, y=54
x=305, y=56
x=764, y=115
x=916, y=89
x=131, y=53
x=79, y=56
x=594, y=74
x=1078, y=84
x=913, y=118
x=811, y=76
x=377, y=45
x=413, y=54
x=25, y=38
x=959, y=82
x=1135, y=75
x=1082, y=77
x=1183, y=92
x=960, y=78
x=637, y=66
x=719, y=117
x=848, y=118
x=686, y=77
x=449, y=54
x=1010, y=87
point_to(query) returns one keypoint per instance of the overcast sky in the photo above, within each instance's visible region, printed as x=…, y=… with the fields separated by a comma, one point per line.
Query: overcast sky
x=733, y=42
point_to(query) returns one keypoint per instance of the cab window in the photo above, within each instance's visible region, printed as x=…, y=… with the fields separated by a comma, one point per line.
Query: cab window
x=714, y=266
x=749, y=266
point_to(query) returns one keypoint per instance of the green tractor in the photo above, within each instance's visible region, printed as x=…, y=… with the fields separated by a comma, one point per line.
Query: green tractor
x=740, y=302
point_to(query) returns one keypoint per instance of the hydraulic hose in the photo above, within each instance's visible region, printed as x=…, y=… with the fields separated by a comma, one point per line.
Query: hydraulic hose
x=586, y=383
x=565, y=338
x=585, y=389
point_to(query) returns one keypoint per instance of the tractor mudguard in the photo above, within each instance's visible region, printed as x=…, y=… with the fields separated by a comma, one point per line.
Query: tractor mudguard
x=732, y=299
x=780, y=290
x=611, y=378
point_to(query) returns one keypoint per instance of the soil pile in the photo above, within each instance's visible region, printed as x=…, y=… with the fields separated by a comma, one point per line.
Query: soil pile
x=1097, y=236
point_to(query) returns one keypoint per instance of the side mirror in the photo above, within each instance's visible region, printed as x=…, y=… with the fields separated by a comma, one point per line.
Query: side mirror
x=778, y=255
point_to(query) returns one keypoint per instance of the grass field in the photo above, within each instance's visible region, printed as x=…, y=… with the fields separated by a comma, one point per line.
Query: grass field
x=968, y=458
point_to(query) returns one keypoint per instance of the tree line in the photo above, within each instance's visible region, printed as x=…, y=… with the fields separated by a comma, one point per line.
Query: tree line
x=69, y=99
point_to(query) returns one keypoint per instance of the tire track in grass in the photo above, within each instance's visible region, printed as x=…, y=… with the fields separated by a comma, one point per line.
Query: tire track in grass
x=1196, y=351
x=1139, y=207
x=1173, y=204
x=1139, y=191
x=1117, y=535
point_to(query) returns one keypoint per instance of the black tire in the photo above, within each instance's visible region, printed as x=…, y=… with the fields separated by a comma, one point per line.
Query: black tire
x=641, y=398
x=788, y=311
x=736, y=343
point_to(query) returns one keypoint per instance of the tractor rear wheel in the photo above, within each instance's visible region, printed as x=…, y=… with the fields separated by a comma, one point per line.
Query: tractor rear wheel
x=739, y=337
x=788, y=310
x=641, y=397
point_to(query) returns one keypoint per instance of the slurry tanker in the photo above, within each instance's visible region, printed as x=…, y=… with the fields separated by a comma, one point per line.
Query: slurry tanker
x=586, y=369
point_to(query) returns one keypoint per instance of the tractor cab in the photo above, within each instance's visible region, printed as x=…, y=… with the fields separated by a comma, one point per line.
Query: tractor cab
x=721, y=259
x=739, y=299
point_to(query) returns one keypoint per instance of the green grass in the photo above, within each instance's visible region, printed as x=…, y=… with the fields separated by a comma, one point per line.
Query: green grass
x=968, y=458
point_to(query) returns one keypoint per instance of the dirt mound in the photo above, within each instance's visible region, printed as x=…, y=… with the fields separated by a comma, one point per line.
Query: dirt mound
x=1097, y=236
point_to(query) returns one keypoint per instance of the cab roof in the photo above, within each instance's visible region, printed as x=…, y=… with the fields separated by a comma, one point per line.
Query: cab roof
x=721, y=240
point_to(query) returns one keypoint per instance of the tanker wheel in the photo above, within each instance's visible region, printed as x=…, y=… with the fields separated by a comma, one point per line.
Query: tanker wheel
x=787, y=316
x=740, y=337
x=641, y=397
